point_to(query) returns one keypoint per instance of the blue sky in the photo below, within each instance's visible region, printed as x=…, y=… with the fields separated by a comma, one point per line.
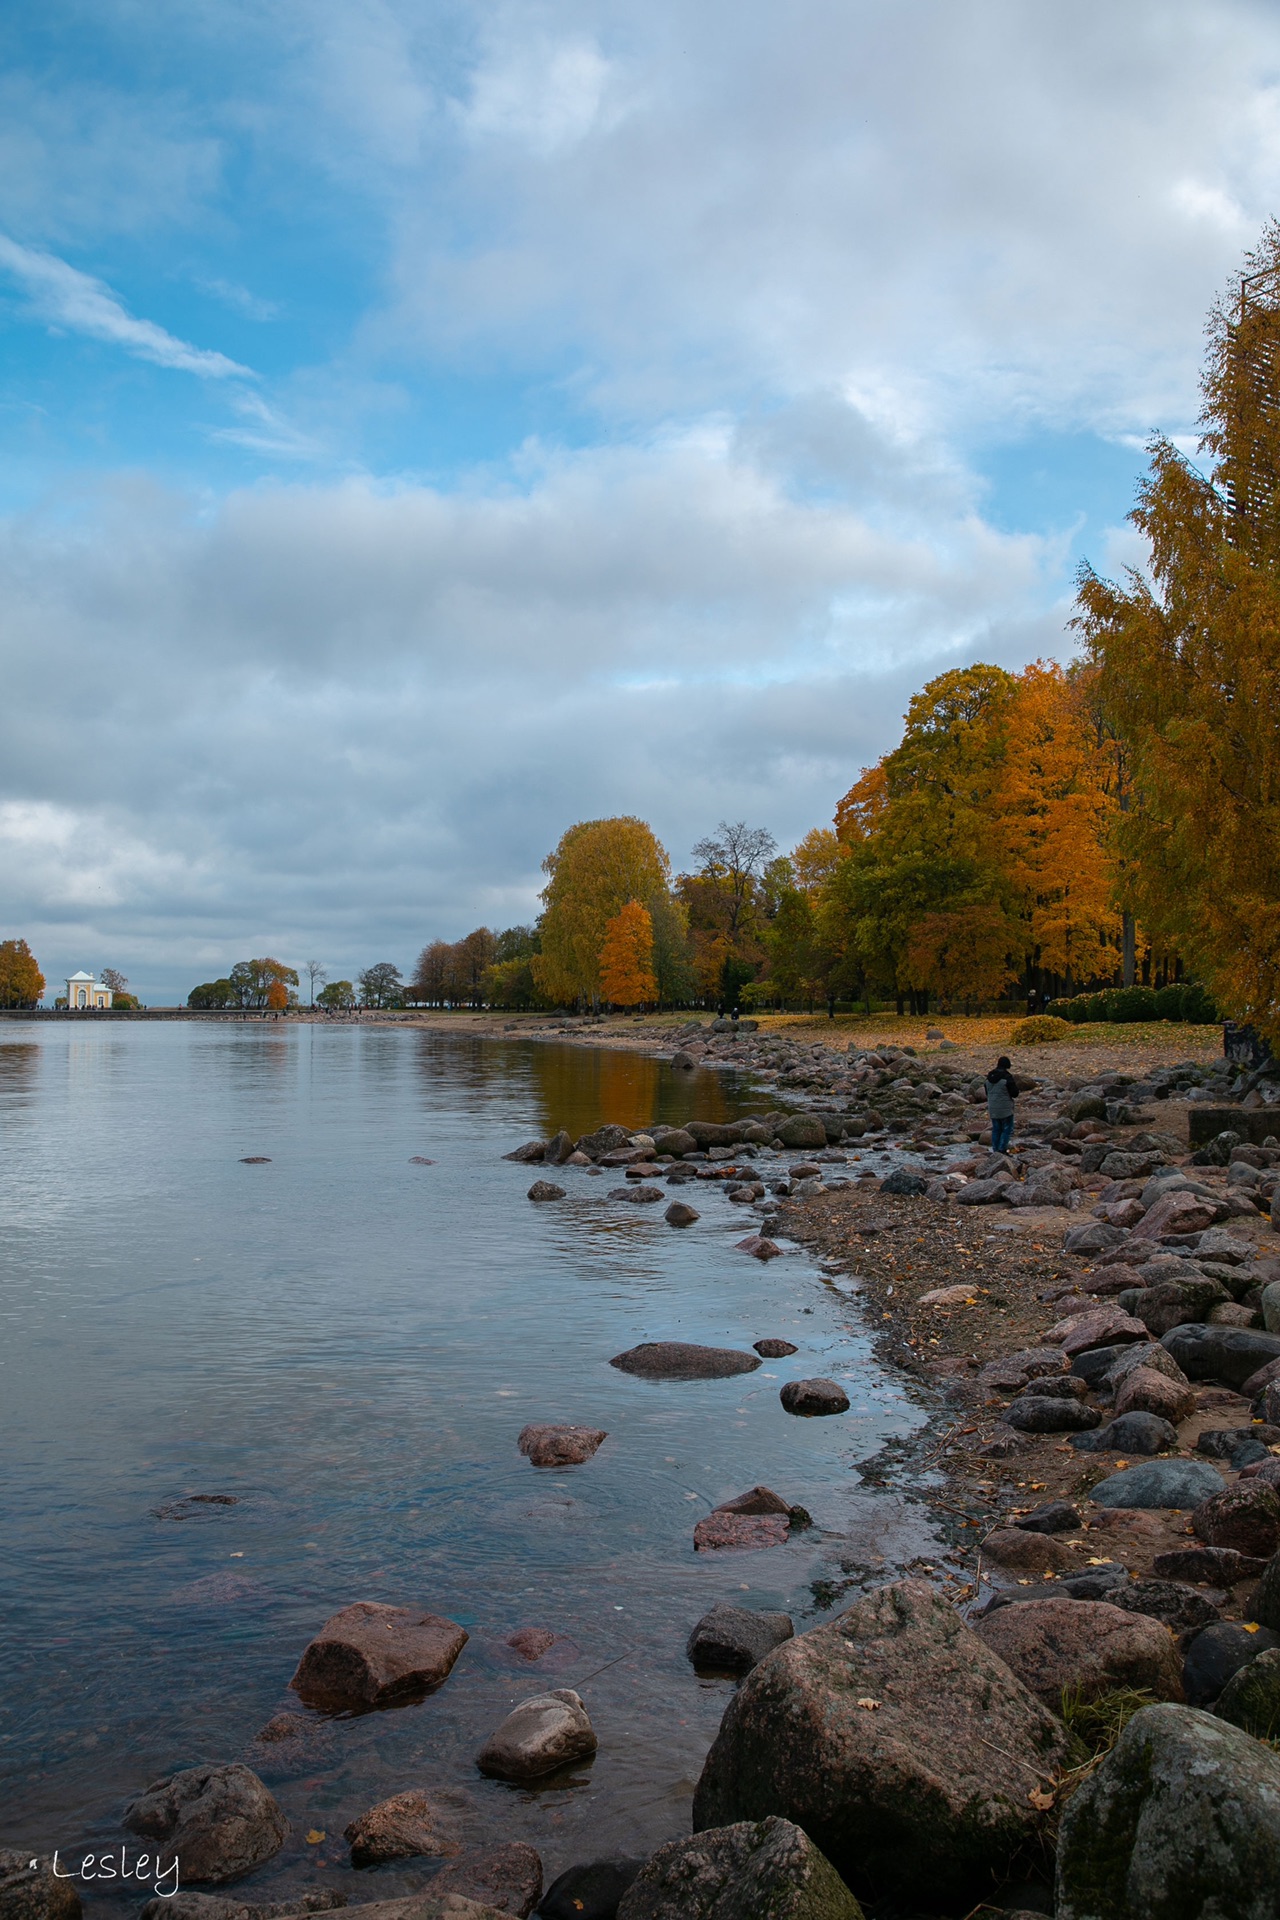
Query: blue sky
x=429, y=425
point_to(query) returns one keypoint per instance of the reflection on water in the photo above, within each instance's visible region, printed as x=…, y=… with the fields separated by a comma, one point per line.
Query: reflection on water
x=349, y=1344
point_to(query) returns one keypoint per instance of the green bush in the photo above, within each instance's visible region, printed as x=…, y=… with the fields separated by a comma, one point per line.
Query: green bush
x=1194, y=1004
x=1199, y=1006
x=1127, y=1004
x=1169, y=1003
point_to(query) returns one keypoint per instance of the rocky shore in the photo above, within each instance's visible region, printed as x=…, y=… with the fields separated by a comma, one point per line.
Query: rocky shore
x=1073, y=1708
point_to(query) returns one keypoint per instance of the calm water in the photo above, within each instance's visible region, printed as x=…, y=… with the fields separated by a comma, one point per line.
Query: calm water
x=349, y=1344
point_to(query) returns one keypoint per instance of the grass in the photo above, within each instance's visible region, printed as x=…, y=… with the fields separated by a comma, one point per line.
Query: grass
x=1097, y=1724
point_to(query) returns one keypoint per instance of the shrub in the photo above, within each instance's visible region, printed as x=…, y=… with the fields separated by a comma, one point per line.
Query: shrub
x=1127, y=1004
x=1040, y=1028
x=1169, y=1002
x=1199, y=1006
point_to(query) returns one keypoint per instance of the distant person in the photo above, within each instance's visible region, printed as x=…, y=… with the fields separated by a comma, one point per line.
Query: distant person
x=1002, y=1091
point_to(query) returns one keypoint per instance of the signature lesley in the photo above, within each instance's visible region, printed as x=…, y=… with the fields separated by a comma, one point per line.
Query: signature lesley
x=116, y=1865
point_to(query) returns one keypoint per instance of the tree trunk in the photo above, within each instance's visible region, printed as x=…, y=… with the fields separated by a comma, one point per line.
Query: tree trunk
x=1129, y=938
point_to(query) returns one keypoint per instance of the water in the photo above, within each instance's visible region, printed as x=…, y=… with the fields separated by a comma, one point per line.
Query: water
x=349, y=1344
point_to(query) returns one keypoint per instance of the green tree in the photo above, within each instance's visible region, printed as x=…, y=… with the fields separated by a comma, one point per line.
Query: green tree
x=339, y=994
x=252, y=980
x=381, y=985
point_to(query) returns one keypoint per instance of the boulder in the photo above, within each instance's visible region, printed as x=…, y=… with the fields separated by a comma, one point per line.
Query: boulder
x=527, y=1155
x=1104, y=1327
x=756, y=1500
x=677, y=1360
x=1251, y=1697
x=640, y=1195
x=862, y=1732
x=1055, y=1516
x=506, y=1878
x=221, y=1822
x=1016, y=1370
x=769, y=1869
x=739, y=1531
x=188, y=1905
x=733, y=1639
x=1022, y=1552
x=1035, y=1413
x=1146, y=1391
x=1236, y=1445
x=674, y=1140
x=1059, y=1646
x=546, y=1190
x=905, y=1182
x=1130, y=1433
x=1173, y=1303
x=802, y=1130
x=1091, y=1236
x=541, y=1735
x=810, y=1397
x=1211, y=1566
x=1176, y=1215
x=398, y=1829
x=983, y=1193
x=774, y=1349
x=606, y=1139
x=1182, y=1818
x=1220, y=1650
x=531, y=1642
x=1181, y=1608
x=1091, y=1583
x=681, y=1214
x=758, y=1246
x=1246, y=1517
x=370, y=1655
x=1229, y=1354
x=30, y=1889
x=1181, y=1484
x=552, y=1446
x=591, y=1891
x=558, y=1149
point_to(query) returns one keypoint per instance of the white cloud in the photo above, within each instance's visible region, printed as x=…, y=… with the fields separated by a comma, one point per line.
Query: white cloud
x=64, y=297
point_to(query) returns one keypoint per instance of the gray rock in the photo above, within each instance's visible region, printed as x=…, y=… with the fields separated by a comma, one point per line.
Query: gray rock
x=1036, y=1414
x=1091, y=1236
x=1251, y=1697
x=527, y=1155
x=802, y=1130
x=541, y=1735
x=1181, y=1608
x=678, y=1360
x=401, y=1828
x=769, y=1869
x=606, y=1139
x=811, y=1397
x=188, y=1905
x=984, y=1193
x=1090, y=1647
x=733, y=1639
x=674, y=1140
x=1174, y=1303
x=1211, y=1566
x=1129, y=1433
x=371, y=1655
x=1217, y=1652
x=1056, y=1516
x=862, y=1732
x=1182, y=1484
x=1235, y=1445
x=506, y=1878
x=1246, y=1517
x=558, y=1149
x=1181, y=1819
x=774, y=1349
x=30, y=1890
x=546, y=1190
x=640, y=1195
x=221, y=1822
x=591, y=1891
x=1228, y=1354
x=903, y=1181
x=681, y=1214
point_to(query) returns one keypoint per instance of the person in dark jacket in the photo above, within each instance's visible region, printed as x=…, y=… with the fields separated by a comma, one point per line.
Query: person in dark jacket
x=1002, y=1091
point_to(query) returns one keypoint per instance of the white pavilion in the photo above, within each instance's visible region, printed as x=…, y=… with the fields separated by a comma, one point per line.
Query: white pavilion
x=84, y=991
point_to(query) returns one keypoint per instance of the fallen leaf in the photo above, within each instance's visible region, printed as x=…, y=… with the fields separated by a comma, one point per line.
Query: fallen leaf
x=1040, y=1800
x=314, y=1837
x=872, y=1706
x=1251, y=1626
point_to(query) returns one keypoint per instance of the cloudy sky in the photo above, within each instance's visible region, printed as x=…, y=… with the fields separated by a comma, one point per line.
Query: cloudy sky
x=429, y=423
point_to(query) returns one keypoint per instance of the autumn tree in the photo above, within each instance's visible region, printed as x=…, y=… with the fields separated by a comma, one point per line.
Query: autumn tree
x=722, y=902
x=626, y=958
x=21, y=981
x=339, y=994
x=1188, y=655
x=251, y=980
x=277, y=997
x=598, y=866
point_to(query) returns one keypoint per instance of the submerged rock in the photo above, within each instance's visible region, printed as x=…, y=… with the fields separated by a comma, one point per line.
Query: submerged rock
x=221, y=1822
x=400, y=1828
x=1181, y=1818
x=774, y=1349
x=546, y=1190
x=740, y=1531
x=769, y=1869
x=681, y=1214
x=863, y=1733
x=678, y=1360
x=550, y=1731
x=370, y=1655
x=553, y=1446
x=591, y=1891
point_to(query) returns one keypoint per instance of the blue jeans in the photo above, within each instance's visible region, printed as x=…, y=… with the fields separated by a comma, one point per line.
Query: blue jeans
x=1001, y=1134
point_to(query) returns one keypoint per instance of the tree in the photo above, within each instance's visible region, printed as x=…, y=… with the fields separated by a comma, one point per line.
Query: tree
x=381, y=986
x=277, y=997
x=337, y=995
x=596, y=869
x=626, y=958
x=314, y=971
x=252, y=980
x=213, y=995
x=1188, y=659
x=113, y=978
x=21, y=981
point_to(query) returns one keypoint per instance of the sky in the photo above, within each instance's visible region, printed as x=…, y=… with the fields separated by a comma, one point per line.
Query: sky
x=427, y=425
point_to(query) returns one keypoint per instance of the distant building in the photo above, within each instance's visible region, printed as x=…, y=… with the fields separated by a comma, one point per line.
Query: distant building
x=84, y=991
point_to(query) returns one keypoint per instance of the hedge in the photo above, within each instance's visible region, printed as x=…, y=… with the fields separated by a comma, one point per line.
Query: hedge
x=1191, y=1003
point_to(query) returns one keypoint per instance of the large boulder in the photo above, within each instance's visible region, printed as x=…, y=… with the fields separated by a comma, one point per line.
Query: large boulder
x=674, y=1140
x=1228, y=1354
x=1246, y=1517
x=370, y=1655
x=802, y=1130
x=679, y=1360
x=1174, y=1303
x=1182, y=1819
x=31, y=1890
x=1266, y=1600
x=734, y=1639
x=862, y=1731
x=1181, y=1484
x=1102, y=1327
x=1059, y=1646
x=541, y=1735
x=769, y=1869
x=1251, y=1697
x=1218, y=1652
x=221, y=1822
x=1178, y=1214
x=1037, y=1413
x=606, y=1139
x=507, y=1878
x=1146, y=1391
x=591, y=1890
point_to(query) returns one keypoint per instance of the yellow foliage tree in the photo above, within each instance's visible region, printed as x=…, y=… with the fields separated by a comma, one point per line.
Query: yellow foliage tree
x=1189, y=666
x=21, y=981
x=597, y=868
x=626, y=958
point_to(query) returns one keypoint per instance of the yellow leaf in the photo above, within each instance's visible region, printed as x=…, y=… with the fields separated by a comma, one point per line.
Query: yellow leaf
x=1251, y=1626
x=872, y=1706
x=1040, y=1800
x=314, y=1837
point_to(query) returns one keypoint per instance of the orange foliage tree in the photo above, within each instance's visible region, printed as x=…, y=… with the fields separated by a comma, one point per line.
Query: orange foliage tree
x=21, y=981
x=626, y=958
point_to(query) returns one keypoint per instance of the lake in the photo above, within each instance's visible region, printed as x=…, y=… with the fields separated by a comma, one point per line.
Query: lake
x=348, y=1344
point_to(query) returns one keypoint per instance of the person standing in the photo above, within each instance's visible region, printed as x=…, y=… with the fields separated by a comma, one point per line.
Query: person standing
x=1002, y=1091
